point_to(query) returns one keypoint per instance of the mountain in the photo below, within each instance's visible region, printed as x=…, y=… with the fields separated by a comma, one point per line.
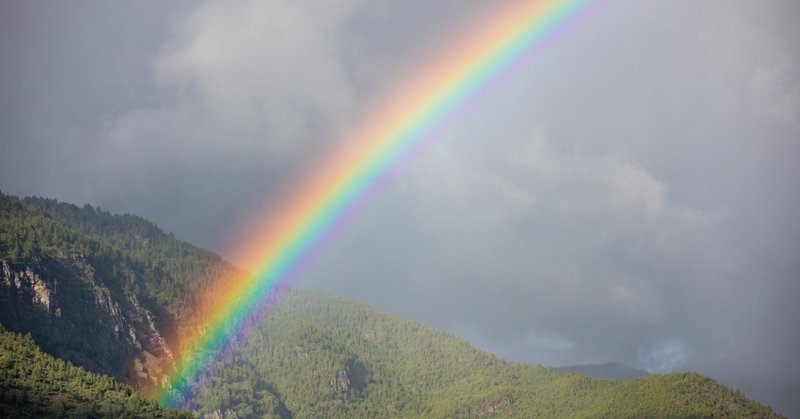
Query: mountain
x=610, y=370
x=115, y=294
x=107, y=292
x=34, y=384
x=328, y=356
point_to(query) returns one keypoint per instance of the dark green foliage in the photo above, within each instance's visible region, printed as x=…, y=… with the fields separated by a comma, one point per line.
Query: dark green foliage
x=312, y=356
x=106, y=278
x=130, y=253
x=395, y=368
x=34, y=384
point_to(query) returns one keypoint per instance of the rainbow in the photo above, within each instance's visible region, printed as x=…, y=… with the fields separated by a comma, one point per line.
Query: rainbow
x=283, y=243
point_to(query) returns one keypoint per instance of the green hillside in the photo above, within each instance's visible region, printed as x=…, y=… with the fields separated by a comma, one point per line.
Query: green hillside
x=107, y=292
x=34, y=384
x=114, y=294
x=324, y=356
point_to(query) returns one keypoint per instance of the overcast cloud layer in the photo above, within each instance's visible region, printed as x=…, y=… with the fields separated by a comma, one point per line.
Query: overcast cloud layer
x=631, y=196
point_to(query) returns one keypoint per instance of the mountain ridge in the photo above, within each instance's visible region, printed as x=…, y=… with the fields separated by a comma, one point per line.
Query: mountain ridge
x=610, y=370
x=109, y=292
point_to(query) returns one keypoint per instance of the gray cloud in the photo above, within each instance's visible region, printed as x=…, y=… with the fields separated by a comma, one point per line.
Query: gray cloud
x=627, y=197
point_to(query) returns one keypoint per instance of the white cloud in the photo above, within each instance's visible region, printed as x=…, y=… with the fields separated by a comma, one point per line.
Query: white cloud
x=775, y=92
x=261, y=83
x=753, y=58
x=656, y=211
x=570, y=245
x=666, y=357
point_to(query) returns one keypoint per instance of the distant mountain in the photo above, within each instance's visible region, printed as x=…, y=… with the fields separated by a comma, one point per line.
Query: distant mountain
x=114, y=294
x=610, y=370
x=34, y=384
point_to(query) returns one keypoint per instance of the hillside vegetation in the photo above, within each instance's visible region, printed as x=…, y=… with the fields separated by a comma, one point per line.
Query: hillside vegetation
x=34, y=384
x=114, y=294
x=324, y=356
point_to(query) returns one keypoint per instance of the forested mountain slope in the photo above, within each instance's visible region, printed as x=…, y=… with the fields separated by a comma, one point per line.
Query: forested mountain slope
x=114, y=294
x=34, y=384
x=107, y=292
x=324, y=356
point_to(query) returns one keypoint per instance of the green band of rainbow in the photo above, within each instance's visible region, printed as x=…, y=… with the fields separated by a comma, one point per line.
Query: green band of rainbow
x=279, y=245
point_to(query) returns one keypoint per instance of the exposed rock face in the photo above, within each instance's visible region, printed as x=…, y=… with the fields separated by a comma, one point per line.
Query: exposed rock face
x=490, y=407
x=219, y=414
x=73, y=314
x=28, y=286
x=353, y=376
x=370, y=335
x=340, y=381
x=145, y=327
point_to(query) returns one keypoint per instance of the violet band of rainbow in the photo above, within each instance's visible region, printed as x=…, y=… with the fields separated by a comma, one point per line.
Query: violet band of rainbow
x=322, y=201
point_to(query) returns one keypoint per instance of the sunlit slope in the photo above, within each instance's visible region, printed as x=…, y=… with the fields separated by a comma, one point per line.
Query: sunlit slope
x=111, y=293
x=328, y=356
x=34, y=384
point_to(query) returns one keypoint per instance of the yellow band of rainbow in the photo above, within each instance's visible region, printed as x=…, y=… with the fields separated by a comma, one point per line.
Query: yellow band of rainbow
x=384, y=137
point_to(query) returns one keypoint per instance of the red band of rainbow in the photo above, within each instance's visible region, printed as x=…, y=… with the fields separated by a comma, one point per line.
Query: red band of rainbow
x=279, y=246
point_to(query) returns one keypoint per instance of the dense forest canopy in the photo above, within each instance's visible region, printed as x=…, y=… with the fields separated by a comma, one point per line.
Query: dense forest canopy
x=100, y=290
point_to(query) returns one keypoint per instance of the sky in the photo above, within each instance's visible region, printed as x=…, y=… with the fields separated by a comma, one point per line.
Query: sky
x=629, y=195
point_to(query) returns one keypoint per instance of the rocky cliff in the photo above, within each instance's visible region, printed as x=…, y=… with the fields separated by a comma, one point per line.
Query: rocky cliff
x=74, y=314
x=112, y=293
x=115, y=294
